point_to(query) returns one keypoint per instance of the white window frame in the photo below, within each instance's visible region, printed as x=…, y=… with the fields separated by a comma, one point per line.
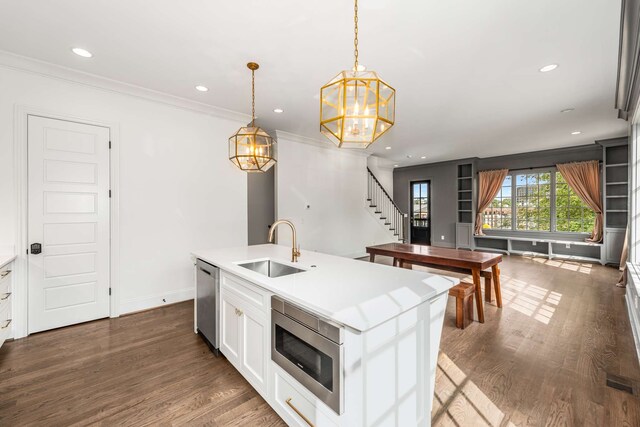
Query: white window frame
x=553, y=214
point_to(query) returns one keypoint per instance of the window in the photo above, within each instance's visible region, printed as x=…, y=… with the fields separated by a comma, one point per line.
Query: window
x=420, y=211
x=571, y=213
x=533, y=201
x=538, y=201
x=498, y=214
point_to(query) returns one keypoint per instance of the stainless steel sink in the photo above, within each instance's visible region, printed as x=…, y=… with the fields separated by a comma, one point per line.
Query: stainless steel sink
x=271, y=268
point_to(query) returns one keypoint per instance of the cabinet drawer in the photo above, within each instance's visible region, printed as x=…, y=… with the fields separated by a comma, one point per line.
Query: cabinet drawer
x=5, y=323
x=300, y=411
x=247, y=291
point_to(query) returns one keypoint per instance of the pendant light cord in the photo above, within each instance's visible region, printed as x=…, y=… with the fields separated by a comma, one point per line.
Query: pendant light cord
x=253, y=97
x=355, y=39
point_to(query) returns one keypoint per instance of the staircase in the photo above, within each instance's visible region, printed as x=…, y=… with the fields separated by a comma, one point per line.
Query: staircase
x=384, y=206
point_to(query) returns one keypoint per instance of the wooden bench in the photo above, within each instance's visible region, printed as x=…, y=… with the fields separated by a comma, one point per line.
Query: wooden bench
x=486, y=274
x=464, y=303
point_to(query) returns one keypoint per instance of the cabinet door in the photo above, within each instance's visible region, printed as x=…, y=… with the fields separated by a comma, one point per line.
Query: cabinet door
x=230, y=329
x=255, y=348
x=613, y=242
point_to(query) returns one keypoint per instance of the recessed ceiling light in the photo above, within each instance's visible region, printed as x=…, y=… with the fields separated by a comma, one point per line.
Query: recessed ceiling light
x=423, y=157
x=395, y=166
x=278, y=110
x=387, y=148
x=576, y=132
x=567, y=110
x=548, y=68
x=82, y=52
x=201, y=88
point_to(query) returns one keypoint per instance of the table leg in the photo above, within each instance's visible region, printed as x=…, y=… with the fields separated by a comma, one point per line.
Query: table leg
x=487, y=289
x=495, y=270
x=476, y=281
x=395, y=262
x=372, y=257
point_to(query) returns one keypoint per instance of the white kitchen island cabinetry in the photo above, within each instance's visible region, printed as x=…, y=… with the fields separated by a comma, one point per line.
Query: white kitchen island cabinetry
x=244, y=329
x=391, y=322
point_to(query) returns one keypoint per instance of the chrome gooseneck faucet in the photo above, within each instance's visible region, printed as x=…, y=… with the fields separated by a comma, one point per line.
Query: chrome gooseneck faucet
x=295, y=250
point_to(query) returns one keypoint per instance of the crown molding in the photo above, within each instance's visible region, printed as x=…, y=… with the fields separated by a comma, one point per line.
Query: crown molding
x=13, y=61
x=319, y=143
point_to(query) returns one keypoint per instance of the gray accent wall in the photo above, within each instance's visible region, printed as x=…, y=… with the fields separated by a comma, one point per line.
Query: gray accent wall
x=443, y=177
x=260, y=205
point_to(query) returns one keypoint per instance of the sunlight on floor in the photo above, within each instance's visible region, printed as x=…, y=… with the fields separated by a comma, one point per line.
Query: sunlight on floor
x=531, y=300
x=564, y=264
x=459, y=402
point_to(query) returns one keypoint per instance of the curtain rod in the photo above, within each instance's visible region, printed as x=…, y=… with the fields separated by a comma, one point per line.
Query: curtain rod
x=600, y=162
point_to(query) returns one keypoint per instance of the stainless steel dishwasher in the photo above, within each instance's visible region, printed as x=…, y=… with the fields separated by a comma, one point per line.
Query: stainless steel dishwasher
x=208, y=303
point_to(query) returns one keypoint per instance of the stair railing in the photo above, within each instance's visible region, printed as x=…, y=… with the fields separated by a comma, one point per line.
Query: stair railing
x=384, y=206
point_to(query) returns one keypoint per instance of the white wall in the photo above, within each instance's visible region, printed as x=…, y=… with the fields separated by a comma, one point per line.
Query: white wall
x=383, y=171
x=333, y=182
x=178, y=190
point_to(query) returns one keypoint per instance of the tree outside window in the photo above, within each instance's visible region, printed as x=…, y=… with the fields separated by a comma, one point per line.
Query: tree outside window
x=572, y=214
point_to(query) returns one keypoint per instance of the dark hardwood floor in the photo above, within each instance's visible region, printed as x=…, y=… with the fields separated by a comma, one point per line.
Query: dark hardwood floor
x=541, y=360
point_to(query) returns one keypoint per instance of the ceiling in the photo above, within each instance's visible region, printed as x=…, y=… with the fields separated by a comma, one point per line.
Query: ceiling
x=465, y=71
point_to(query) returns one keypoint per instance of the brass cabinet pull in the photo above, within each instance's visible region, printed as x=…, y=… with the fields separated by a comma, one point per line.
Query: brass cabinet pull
x=238, y=312
x=7, y=295
x=4, y=274
x=6, y=325
x=297, y=411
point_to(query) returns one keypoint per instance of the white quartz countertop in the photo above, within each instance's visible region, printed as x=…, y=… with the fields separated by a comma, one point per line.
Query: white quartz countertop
x=354, y=293
x=6, y=259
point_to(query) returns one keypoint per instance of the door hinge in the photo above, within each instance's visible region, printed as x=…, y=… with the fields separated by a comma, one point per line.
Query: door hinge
x=109, y=193
x=109, y=291
x=109, y=145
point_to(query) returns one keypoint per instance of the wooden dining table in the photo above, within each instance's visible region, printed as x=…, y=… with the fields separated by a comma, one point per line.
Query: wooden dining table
x=459, y=261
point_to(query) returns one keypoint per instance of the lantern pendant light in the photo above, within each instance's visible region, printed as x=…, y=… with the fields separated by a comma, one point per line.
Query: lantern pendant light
x=357, y=106
x=251, y=148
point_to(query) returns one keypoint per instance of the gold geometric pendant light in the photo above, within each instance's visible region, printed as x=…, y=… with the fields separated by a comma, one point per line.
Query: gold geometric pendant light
x=251, y=148
x=357, y=106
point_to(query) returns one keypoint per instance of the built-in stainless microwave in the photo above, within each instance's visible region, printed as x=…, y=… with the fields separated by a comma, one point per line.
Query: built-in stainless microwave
x=309, y=348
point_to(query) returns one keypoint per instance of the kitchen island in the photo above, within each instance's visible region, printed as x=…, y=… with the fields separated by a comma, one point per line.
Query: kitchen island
x=381, y=326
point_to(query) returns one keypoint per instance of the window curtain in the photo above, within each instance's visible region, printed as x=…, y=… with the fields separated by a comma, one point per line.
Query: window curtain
x=622, y=282
x=584, y=179
x=489, y=183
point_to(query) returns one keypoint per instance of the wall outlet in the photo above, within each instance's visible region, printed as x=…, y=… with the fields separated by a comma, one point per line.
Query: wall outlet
x=534, y=243
x=441, y=237
x=568, y=246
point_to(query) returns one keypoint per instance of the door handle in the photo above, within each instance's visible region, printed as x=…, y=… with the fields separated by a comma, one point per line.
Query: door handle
x=36, y=248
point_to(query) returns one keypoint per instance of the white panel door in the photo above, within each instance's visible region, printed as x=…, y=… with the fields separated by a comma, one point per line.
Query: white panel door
x=69, y=217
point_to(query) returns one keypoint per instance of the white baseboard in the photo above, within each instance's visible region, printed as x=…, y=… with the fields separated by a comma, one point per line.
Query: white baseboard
x=153, y=301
